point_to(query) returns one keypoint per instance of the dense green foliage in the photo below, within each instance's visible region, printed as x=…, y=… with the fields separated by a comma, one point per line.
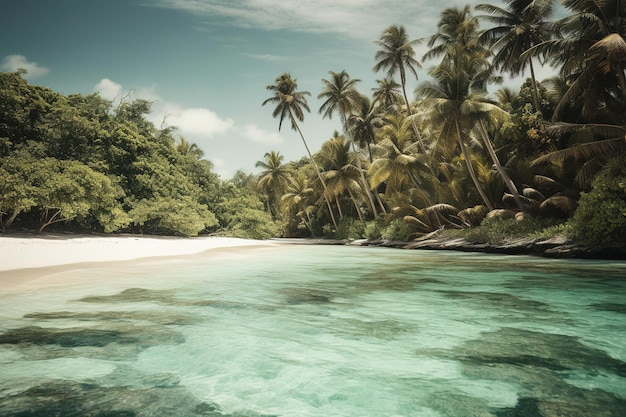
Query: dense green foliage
x=601, y=217
x=75, y=161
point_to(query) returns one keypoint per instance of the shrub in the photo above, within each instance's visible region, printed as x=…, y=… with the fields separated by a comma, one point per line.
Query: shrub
x=374, y=229
x=250, y=223
x=350, y=228
x=496, y=230
x=399, y=230
x=601, y=216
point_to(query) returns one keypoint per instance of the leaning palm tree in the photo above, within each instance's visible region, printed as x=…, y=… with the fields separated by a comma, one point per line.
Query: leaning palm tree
x=397, y=56
x=290, y=104
x=273, y=180
x=458, y=105
x=342, y=97
x=519, y=26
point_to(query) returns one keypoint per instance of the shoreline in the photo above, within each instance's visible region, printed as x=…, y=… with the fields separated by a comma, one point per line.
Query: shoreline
x=28, y=258
x=557, y=247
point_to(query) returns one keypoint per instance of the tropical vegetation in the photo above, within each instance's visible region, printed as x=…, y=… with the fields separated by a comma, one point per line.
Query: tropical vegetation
x=466, y=149
x=463, y=149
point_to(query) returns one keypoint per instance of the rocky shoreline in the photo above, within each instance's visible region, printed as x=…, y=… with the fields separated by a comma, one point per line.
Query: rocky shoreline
x=556, y=247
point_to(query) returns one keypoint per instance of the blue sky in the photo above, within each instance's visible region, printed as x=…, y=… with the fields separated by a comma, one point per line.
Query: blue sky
x=205, y=63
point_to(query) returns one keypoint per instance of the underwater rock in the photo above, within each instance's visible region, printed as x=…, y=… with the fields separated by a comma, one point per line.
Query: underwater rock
x=121, y=340
x=295, y=296
x=157, y=316
x=529, y=348
x=66, y=398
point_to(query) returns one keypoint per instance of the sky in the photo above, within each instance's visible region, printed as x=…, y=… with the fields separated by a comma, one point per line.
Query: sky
x=205, y=64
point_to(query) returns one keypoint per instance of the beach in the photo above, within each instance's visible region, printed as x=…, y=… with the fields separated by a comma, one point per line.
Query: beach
x=29, y=258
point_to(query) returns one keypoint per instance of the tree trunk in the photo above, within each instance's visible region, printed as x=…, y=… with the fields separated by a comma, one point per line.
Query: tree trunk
x=10, y=220
x=470, y=168
x=505, y=176
x=381, y=204
x=51, y=220
x=356, y=206
x=338, y=204
x=410, y=113
x=535, y=89
x=364, y=181
x=317, y=170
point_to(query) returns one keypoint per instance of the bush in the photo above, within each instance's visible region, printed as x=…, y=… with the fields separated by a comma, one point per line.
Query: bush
x=601, y=216
x=496, y=230
x=251, y=223
x=374, y=229
x=398, y=230
x=350, y=228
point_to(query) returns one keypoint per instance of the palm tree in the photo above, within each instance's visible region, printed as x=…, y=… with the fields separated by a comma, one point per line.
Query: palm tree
x=342, y=97
x=591, y=113
x=273, y=180
x=186, y=148
x=519, y=26
x=387, y=95
x=397, y=56
x=398, y=164
x=290, y=104
x=592, y=56
x=456, y=26
x=341, y=171
x=362, y=124
x=458, y=105
x=298, y=199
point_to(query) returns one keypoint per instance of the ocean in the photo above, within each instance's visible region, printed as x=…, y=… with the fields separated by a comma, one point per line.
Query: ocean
x=300, y=330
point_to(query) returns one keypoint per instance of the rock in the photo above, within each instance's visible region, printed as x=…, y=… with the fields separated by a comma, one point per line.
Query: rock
x=552, y=243
x=501, y=214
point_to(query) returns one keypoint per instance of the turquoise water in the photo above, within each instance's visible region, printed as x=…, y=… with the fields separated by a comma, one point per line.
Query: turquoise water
x=320, y=331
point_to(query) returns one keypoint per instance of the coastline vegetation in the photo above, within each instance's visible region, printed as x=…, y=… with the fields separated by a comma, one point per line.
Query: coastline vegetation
x=462, y=154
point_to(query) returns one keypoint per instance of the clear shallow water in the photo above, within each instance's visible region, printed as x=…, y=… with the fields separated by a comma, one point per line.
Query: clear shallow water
x=320, y=331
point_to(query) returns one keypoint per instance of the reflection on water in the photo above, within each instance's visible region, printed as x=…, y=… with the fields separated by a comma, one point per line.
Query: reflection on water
x=321, y=331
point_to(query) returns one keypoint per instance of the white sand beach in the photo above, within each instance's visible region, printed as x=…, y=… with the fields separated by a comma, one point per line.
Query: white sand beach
x=25, y=258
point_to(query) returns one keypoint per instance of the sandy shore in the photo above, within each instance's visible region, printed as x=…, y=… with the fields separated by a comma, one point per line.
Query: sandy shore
x=22, y=256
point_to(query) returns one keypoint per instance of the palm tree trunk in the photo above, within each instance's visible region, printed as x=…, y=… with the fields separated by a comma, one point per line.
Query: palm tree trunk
x=364, y=181
x=338, y=204
x=505, y=176
x=317, y=170
x=410, y=113
x=381, y=204
x=470, y=168
x=356, y=206
x=535, y=89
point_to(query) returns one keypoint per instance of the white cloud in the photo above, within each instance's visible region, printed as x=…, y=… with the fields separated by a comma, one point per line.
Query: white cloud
x=12, y=63
x=108, y=89
x=267, y=57
x=196, y=121
x=362, y=19
x=259, y=135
